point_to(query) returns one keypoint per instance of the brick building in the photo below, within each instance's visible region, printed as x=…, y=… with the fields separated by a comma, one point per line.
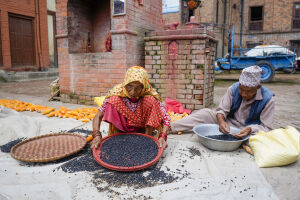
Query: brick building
x=98, y=40
x=268, y=22
x=23, y=35
x=263, y=22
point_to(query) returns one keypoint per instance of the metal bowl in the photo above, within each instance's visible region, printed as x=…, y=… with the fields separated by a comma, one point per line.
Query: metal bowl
x=204, y=130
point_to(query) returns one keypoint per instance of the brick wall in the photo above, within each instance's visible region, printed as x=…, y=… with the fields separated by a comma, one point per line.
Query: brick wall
x=207, y=12
x=171, y=17
x=277, y=14
x=277, y=22
x=85, y=75
x=141, y=18
x=89, y=75
x=27, y=8
x=180, y=65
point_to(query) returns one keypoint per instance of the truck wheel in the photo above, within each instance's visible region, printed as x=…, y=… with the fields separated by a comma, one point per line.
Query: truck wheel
x=268, y=71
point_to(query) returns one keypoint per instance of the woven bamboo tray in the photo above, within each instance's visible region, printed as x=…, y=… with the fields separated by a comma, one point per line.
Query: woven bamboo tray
x=48, y=147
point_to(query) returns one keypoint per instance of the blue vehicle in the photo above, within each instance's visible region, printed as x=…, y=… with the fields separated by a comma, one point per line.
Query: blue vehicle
x=270, y=58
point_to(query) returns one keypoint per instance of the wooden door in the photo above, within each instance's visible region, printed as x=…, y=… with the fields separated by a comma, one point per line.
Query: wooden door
x=21, y=34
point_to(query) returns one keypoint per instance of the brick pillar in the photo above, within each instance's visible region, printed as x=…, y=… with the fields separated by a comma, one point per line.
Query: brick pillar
x=180, y=65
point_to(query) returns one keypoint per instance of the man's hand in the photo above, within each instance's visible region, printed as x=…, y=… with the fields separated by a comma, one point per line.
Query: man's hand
x=95, y=142
x=162, y=143
x=224, y=127
x=243, y=133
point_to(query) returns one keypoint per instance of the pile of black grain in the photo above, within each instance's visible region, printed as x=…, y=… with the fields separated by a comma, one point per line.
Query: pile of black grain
x=104, y=178
x=7, y=147
x=80, y=130
x=224, y=137
x=128, y=150
x=137, y=179
x=194, y=152
x=84, y=161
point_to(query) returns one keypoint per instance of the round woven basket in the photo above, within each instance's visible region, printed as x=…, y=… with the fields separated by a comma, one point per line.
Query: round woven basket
x=50, y=147
x=96, y=152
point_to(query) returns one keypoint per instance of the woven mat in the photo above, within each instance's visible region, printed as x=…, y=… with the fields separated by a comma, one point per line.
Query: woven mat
x=48, y=148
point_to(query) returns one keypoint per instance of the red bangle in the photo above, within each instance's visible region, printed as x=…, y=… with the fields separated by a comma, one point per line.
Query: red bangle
x=163, y=135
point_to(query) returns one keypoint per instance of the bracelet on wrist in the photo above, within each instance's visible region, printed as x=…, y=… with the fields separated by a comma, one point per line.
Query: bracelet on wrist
x=95, y=132
x=163, y=135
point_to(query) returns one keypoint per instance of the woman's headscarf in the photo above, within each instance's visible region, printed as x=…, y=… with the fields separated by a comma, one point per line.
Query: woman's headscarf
x=135, y=73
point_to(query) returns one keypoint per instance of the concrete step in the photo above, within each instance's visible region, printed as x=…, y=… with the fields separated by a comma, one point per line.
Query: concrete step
x=51, y=73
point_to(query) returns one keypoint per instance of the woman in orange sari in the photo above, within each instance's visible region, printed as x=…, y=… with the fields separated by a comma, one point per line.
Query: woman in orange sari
x=133, y=106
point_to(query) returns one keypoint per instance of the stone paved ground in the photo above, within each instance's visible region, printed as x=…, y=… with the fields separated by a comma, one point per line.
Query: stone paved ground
x=38, y=88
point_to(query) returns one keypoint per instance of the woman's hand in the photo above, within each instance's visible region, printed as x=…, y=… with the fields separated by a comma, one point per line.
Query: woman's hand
x=162, y=142
x=243, y=133
x=96, y=141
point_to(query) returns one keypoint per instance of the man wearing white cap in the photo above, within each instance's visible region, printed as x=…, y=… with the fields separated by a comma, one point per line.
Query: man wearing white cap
x=246, y=105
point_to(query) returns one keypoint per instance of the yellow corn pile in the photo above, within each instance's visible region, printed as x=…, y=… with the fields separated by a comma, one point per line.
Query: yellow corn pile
x=83, y=114
x=176, y=116
x=21, y=106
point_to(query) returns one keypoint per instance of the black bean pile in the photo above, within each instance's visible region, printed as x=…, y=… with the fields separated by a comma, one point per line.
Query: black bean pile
x=82, y=162
x=135, y=179
x=128, y=150
x=227, y=137
x=6, y=147
x=80, y=130
x=194, y=152
x=86, y=162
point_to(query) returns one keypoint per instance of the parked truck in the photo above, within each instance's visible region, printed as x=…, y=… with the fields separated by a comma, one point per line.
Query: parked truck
x=270, y=58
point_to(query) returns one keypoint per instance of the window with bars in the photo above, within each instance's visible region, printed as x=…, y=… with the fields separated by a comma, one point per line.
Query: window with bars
x=256, y=18
x=296, y=16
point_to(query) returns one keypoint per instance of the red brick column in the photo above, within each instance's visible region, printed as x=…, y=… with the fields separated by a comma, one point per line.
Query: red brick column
x=180, y=65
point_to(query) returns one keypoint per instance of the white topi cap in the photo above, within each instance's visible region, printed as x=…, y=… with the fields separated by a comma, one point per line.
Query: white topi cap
x=250, y=76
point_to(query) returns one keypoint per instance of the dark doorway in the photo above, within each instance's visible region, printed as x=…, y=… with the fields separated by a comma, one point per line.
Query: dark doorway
x=89, y=25
x=186, y=13
x=21, y=35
